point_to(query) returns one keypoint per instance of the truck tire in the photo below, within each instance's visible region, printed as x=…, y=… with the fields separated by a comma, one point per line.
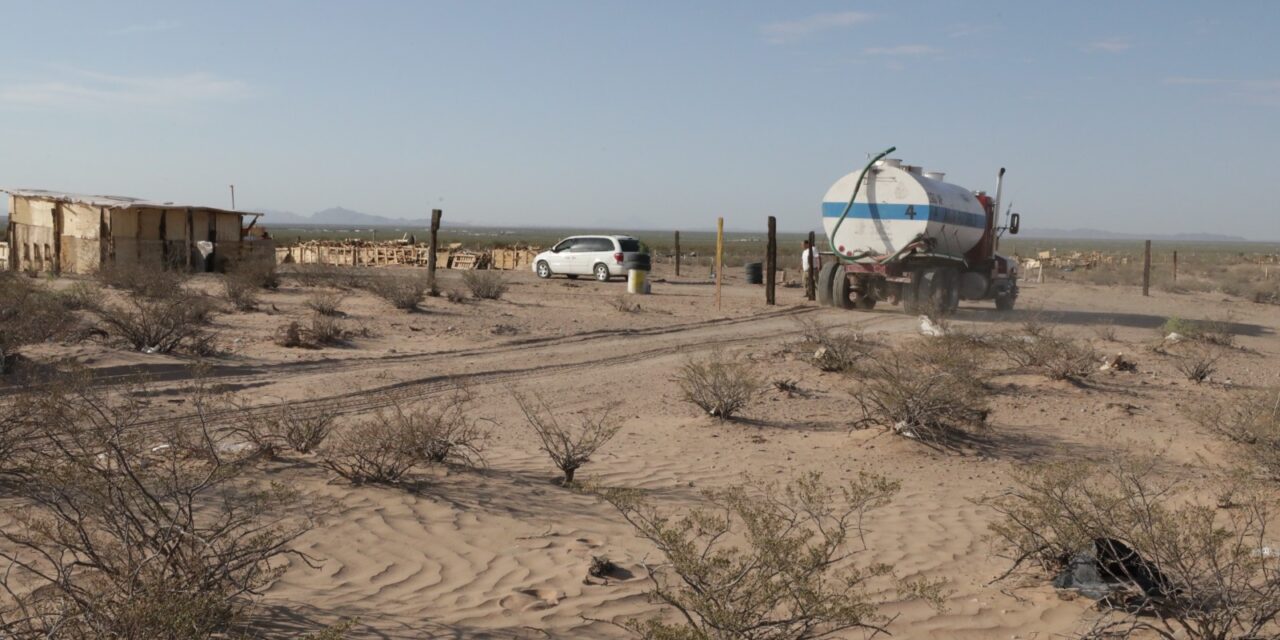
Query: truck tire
x=948, y=293
x=840, y=291
x=825, y=275
x=910, y=293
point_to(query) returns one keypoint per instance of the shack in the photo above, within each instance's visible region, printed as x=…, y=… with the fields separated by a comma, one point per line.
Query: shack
x=72, y=233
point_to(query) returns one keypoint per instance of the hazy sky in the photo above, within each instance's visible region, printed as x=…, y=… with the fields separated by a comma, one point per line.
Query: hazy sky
x=1123, y=116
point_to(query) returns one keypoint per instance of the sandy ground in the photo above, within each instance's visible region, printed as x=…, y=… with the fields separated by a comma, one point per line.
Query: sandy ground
x=502, y=552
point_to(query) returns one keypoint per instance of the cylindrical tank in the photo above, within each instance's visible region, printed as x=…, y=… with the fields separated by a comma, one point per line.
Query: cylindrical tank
x=895, y=206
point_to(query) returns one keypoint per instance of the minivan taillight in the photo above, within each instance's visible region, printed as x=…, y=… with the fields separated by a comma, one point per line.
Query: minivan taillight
x=617, y=257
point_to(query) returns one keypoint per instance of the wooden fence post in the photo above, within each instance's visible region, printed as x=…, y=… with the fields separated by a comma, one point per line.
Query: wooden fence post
x=1175, y=266
x=811, y=274
x=431, y=257
x=677, y=254
x=1146, y=269
x=719, y=258
x=771, y=262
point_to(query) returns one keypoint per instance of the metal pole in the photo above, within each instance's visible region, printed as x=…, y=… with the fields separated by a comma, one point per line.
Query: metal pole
x=771, y=262
x=233, y=197
x=811, y=274
x=1175, y=266
x=719, y=258
x=1146, y=270
x=677, y=254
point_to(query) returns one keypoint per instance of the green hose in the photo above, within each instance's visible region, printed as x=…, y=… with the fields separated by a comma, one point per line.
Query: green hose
x=831, y=238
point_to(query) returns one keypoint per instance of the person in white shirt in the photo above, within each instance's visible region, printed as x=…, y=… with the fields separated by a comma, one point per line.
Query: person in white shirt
x=807, y=257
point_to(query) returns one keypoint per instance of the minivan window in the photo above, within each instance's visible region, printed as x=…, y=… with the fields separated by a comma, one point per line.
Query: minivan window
x=586, y=245
x=564, y=244
x=630, y=245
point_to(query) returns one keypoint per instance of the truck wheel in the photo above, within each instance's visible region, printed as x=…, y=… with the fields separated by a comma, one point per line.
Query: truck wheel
x=825, y=275
x=865, y=302
x=910, y=293
x=840, y=291
x=948, y=295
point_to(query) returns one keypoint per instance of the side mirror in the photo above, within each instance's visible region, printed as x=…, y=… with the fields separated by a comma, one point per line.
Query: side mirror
x=1015, y=221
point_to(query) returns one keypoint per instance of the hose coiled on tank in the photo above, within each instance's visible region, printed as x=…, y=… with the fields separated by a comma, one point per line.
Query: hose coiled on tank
x=831, y=238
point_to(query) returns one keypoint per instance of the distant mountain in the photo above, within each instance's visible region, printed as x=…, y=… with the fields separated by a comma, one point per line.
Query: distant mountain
x=1098, y=234
x=339, y=216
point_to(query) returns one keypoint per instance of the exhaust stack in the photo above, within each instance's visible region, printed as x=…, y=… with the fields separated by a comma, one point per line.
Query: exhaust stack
x=999, y=188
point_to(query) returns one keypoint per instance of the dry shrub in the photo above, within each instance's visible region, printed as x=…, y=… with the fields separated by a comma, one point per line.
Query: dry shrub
x=1198, y=361
x=486, y=284
x=1181, y=569
x=385, y=447
x=81, y=296
x=1041, y=349
x=121, y=538
x=1251, y=420
x=161, y=324
x=143, y=280
x=721, y=387
x=833, y=351
x=323, y=275
x=326, y=330
x=569, y=447
x=763, y=562
x=325, y=303
x=258, y=273
x=241, y=292
x=623, y=302
x=29, y=314
x=456, y=296
x=291, y=335
x=1215, y=332
x=402, y=292
x=380, y=449
x=301, y=428
x=923, y=392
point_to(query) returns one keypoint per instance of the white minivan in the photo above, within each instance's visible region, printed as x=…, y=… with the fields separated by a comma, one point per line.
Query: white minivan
x=603, y=257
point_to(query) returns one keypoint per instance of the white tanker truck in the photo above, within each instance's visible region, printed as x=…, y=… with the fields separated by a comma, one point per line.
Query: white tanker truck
x=899, y=234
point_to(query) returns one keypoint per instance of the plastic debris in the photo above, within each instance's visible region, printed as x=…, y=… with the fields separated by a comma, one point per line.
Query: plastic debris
x=929, y=328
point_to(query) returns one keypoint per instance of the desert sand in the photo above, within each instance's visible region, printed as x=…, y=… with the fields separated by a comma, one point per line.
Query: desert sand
x=502, y=551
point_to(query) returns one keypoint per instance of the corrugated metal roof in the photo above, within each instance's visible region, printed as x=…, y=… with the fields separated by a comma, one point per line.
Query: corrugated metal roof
x=114, y=202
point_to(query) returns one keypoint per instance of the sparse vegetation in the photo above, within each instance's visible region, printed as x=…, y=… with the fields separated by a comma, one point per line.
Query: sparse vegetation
x=831, y=350
x=241, y=292
x=403, y=292
x=29, y=314
x=569, y=446
x=120, y=538
x=623, y=302
x=1180, y=569
x=290, y=335
x=326, y=330
x=765, y=563
x=1250, y=420
x=1198, y=362
x=325, y=303
x=1215, y=332
x=917, y=392
x=161, y=324
x=486, y=284
x=456, y=296
x=1041, y=349
x=721, y=387
x=386, y=446
x=142, y=279
x=301, y=428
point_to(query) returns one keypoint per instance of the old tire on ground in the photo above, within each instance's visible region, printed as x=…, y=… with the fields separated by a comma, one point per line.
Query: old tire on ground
x=825, y=275
x=602, y=272
x=544, y=269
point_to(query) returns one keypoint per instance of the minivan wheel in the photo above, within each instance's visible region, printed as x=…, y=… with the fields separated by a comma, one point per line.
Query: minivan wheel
x=602, y=272
x=544, y=269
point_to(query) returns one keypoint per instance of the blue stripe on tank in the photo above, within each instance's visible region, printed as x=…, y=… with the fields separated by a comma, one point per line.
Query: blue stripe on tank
x=880, y=211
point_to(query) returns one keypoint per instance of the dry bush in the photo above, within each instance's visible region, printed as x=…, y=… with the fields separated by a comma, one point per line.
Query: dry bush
x=570, y=447
x=922, y=392
x=448, y=432
x=258, y=273
x=301, y=428
x=1178, y=568
x=291, y=335
x=326, y=330
x=380, y=449
x=833, y=351
x=623, y=302
x=81, y=296
x=402, y=292
x=1251, y=420
x=456, y=296
x=1198, y=361
x=241, y=292
x=29, y=314
x=161, y=324
x=761, y=562
x=318, y=275
x=1056, y=357
x=121, y=538
x=325, y=303
x=721, y=387
x=1215, y=332
x=143, y=280
x=486, y=284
